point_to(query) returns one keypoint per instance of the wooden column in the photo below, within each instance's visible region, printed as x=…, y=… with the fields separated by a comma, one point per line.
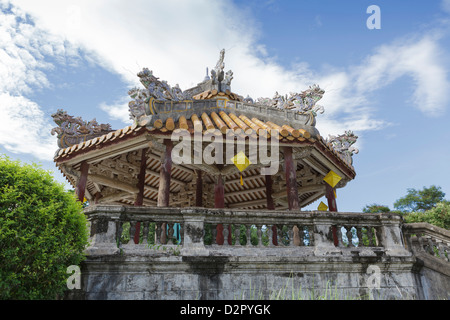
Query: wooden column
x=141, y=179
x=291, y=179
x=271, y=205
x=164, y=182
x=81, y=185
x=164, y=175
x=329, y=193
x=269, y=191
x=219, y=202
x=219, y=193
x=199, y=189
x=140, y=195
x=332, y=207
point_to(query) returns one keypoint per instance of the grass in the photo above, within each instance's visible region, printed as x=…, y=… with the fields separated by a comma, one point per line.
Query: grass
x=289, y=292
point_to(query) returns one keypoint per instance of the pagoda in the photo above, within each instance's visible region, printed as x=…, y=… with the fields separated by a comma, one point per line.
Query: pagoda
x=206, y=146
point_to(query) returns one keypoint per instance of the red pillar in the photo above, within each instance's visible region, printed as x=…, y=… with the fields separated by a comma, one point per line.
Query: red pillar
x=164, y=181
x=332, y=207
x=199, y=189
x=164, y=175
x=329, y=193
x=271, y=205
x=140, y=196
x=291, y=179
x=269, y=191
x=219, y=202
x=81, y=185
x=219, y=193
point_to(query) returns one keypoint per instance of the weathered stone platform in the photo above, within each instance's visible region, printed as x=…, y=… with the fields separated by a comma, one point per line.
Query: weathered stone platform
x=297, y=255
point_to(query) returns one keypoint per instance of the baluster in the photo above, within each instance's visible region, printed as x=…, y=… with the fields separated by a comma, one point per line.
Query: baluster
x=259, y=234
x=349, y=235
x=359, y=235
x=145, y=232
x=132, y=231
x=158, y=232
x=370, y=236
x=339, y=235
x=225, y=234
x=182, y=232
x=290, y=235
x=237, y=235
x=420, y=241
x=295, y=236
x=377, y=236
x=280, y=235
x=430, y=245
x=214, y=233
x=270, y=235
x=164, y=233
x=301, y=235
x=248, y=234
x=274, y=241
x=119, y=230
x=440, y=248
x=170, y=232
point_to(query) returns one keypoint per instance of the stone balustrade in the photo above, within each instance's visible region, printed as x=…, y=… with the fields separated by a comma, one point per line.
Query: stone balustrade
x=429, y=239
x=201, y=231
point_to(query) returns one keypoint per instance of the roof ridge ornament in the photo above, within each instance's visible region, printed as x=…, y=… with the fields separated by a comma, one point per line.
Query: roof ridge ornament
x=73, y=130
x=302, y=102
x=154, y=88
x=343, y=144
x=221, y=81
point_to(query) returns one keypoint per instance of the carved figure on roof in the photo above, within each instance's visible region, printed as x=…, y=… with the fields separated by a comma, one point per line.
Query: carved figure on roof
x=248, y=100
x=221, y=81
x=154, y=88
x=157, y=89
x=226, y=83
x=306, y=100
x=301, y=102
x=71, y=130
x=220, y=65
x=343, y=144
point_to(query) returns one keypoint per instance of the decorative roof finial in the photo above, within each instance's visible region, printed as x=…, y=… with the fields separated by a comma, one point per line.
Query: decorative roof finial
x=207, y=75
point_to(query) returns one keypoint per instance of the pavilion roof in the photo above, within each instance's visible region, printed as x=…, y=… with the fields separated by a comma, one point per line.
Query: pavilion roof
x=160, y=110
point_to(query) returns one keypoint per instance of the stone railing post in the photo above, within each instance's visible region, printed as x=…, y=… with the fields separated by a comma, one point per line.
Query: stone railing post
x=193, y=232
x=323, y=235
x=103, y=230
x=391, y=235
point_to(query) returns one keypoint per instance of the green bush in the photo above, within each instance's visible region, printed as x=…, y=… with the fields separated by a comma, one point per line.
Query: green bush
x=438, y=216
x=42, y=232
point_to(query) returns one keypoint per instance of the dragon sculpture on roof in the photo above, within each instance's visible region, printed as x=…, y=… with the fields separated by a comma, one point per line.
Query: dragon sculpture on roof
x=72, y=130
x=301, y=102
x=343, y=144
x=153, y=88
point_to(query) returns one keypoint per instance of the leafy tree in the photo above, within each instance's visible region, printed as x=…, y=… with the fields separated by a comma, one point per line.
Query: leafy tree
x=376, y=208
x=42, y=232
x=420, y=200
x=438, y=216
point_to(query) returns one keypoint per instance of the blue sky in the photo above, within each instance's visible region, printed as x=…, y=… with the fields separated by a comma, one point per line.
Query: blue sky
x=389, y=85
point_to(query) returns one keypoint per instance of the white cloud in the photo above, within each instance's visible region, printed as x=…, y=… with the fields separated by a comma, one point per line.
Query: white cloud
x=24, y=128
x=179, y=39
x=445, y=5
x=420, y=59
x=117, y=110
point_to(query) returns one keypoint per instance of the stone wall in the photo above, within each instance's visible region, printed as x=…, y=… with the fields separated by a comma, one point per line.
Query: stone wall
x=292, y=266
